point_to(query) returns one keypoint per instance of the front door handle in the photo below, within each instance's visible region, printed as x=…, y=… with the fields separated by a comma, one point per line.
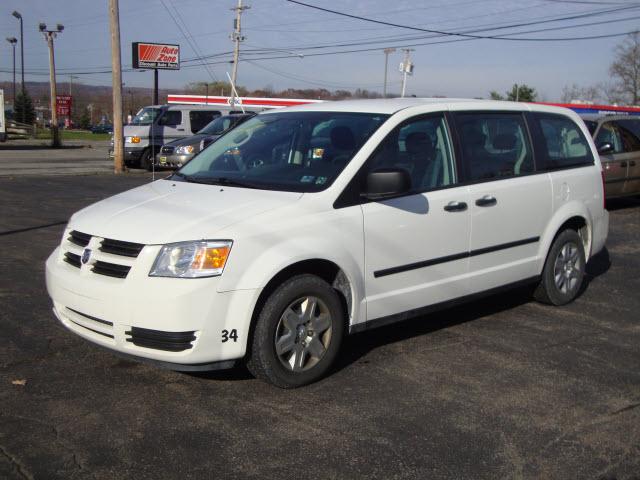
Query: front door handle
x=632, y=163
x=455, y=206
x=486, y=201
x=180, y=129
x=623, y=164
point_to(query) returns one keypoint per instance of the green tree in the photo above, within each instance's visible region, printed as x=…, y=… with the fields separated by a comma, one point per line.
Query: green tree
x=522, y=93
x=85, y=119
x=493, y=95
x=23, y=109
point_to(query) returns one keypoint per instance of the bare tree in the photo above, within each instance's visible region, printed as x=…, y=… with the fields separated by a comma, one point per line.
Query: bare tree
x=575, y=92
x=626, y=67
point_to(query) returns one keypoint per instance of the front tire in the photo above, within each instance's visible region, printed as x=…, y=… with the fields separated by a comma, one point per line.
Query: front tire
x=146, y=160
x=298, y=333
x=563, y=271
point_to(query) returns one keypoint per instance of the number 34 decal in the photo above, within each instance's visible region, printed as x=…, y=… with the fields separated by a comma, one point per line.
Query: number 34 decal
x=229, y=335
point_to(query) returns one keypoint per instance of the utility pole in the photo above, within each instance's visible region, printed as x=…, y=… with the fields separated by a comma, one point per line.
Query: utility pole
x=116, y=80
x=406, y=67
x=13, y=41
x=49, y=36
x=22, y=88
x=237, y=37
x=386, y=51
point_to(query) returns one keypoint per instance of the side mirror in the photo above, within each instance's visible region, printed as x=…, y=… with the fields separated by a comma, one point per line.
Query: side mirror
x=605, y=148
x=386, y=183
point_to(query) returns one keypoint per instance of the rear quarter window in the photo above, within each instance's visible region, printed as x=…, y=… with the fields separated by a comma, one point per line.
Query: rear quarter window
x=562, y=143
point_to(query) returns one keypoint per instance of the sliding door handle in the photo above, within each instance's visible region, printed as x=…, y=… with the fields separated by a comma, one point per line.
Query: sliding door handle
x=632, y=163
x=623, y=163
x=455, y=206
x=486, y=201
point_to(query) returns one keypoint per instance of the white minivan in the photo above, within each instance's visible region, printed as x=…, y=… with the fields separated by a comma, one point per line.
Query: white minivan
x=306, y=224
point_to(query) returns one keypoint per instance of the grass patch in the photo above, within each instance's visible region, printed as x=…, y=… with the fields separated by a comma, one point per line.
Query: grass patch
x=73, y=135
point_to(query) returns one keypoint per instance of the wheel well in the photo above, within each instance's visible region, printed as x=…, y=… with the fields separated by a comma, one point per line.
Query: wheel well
x=579, y=224
x=325, y=269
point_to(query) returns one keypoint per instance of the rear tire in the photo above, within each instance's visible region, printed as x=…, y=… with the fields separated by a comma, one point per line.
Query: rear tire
x=563, y=271
x=298, y=333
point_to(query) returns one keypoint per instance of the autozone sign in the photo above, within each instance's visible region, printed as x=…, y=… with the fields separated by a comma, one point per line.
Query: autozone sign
x=156, y=55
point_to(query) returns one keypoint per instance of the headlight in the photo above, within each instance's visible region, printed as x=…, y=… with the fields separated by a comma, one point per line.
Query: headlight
x=131, y=139
x=205, y=258
x=184, y=149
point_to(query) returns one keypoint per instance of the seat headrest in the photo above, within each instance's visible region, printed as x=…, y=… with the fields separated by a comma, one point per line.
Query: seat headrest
x=505, y=141
x=417, y=142
x=342, y=138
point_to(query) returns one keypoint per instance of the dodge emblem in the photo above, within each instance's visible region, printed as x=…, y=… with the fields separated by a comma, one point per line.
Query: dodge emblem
x=86, y=256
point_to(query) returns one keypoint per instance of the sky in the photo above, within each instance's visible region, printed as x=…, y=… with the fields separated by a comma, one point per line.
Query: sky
x=455, y=67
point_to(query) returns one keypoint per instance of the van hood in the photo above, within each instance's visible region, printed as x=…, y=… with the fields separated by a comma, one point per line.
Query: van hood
x=141, y=131
x=166, y=211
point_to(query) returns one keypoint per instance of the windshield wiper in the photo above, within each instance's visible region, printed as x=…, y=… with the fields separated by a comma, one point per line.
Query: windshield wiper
x=216, y=181
x=232, y=182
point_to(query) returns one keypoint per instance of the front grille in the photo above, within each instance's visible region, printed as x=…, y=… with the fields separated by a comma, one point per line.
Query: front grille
x=159, y=340
x=72, y=259
x=79, y=238
x=117, y=247
x=166, y=149
x=110, y=269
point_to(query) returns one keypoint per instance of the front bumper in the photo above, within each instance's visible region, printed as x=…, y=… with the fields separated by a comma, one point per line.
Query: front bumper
x=106, y=310
x=132, y=155
x=172, y=160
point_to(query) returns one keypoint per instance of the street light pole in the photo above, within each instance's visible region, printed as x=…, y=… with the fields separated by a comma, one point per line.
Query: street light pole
x=49, y=35
x=22, y=87
x=386, y=51
x=13, y=41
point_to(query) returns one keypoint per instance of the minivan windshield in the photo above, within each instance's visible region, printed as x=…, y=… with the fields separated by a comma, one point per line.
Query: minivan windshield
x=290, y=151
x=145, y=116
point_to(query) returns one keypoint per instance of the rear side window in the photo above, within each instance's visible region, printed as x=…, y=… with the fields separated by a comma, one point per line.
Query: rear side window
x=563, y=144
x=200, y=118
x=494, y=145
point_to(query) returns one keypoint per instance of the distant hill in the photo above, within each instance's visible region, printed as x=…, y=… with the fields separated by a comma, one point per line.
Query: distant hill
x=99, y=96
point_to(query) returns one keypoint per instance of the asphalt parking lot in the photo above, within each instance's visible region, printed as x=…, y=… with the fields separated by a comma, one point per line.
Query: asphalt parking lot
x=36, y=157
x=501, y=388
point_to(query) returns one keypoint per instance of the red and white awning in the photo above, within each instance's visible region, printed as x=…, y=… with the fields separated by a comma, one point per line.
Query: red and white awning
x=245, y=101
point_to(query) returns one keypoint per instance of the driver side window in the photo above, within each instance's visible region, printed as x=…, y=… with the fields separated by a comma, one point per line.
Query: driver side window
x=422, y=147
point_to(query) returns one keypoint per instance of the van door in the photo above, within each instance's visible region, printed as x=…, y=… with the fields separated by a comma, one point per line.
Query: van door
x=416, y=245
x=170, y=126
x=615, y=163
x=630, y=133
x=510, y=206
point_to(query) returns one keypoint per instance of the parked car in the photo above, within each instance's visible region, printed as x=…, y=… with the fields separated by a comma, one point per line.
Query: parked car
x=618, y=141
x=179, y=152
x=303, y=225
x=156, y=125
x=102, y=128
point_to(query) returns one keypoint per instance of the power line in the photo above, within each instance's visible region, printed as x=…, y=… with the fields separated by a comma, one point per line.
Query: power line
x=408, y=27
x=193, y=45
